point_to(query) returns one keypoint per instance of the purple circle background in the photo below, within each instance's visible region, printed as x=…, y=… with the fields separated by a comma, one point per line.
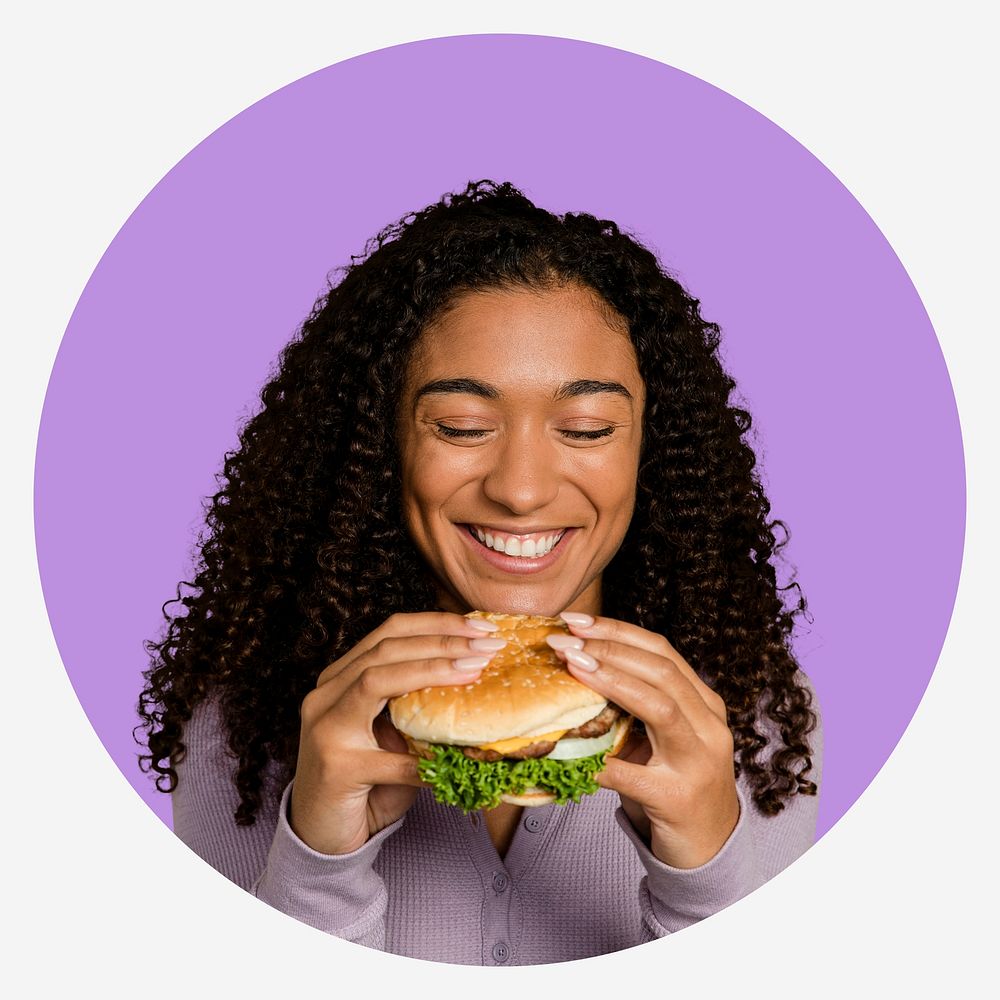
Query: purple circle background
x=856, y=423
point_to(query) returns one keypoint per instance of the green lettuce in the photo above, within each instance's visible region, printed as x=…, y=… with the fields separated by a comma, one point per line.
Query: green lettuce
x=470, y=784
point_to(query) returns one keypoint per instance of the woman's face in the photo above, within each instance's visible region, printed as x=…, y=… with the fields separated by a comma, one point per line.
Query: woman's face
x=520, y=427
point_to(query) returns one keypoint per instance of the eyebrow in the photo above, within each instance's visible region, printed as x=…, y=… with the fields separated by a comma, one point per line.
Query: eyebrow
x=468, y=386
x=473, y=387
x=589, y=387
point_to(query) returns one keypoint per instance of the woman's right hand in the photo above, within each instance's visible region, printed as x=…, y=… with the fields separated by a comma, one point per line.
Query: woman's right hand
x=353, y=776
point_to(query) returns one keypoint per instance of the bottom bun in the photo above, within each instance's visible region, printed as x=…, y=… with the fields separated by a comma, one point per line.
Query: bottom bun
x=530, y=797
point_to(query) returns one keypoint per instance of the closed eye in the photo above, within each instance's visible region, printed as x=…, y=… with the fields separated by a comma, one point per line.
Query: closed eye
x=459, y=432
x=589, y=435
x=478, y=432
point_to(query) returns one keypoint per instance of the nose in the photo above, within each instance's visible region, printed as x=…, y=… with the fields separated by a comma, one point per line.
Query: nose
x=524, y=474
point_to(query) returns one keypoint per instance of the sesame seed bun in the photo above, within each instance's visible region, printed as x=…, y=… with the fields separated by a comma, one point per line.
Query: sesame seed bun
x=524, y=691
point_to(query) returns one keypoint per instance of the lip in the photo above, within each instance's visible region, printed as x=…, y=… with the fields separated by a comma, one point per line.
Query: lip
x=515, y=565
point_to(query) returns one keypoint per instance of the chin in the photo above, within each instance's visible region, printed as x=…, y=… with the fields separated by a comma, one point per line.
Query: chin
x=515, y=601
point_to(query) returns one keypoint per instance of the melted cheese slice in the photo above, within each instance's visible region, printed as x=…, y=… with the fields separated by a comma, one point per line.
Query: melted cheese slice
x=509, y=746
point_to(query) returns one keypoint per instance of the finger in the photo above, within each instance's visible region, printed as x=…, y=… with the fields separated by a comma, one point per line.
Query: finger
x=633, y=635
x=633, y=781
x=367, y=689
x=466, y=656
x=419, y=623
x=382, y=767
x=397, y=649
x=667, y=727
x=376, y=685
x=659, y=672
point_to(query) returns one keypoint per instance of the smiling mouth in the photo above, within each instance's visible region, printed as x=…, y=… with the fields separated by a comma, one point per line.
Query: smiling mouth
x=527, y=547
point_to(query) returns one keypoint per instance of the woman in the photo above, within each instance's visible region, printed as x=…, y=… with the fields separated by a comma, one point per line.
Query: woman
x=489, y=368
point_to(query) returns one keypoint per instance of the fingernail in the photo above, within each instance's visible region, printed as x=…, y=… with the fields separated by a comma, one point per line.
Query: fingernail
x=564, y=642
x=482, y=624
x=577, y=618
x=470, y=663
x=487, y=645
x=580, y=659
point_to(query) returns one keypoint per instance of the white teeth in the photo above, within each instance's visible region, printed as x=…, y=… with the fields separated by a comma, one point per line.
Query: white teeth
x=528, y=549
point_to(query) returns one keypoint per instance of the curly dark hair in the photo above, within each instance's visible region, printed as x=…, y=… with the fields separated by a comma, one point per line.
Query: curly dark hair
x=304, y=550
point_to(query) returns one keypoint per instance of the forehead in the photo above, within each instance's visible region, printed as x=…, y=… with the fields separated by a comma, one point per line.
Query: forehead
x=527, y=337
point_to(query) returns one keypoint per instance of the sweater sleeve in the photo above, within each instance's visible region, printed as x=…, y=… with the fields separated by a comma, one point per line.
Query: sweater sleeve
x=759, y=847
x=340, y=895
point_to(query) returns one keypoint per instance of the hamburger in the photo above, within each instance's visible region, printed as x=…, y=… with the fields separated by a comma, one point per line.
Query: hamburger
x=525, y=731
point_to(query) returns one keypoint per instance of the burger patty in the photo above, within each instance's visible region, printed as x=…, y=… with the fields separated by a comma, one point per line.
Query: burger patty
x=597, y=726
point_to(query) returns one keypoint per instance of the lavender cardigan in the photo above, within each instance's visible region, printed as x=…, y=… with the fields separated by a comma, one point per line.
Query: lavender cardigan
x=577, y=880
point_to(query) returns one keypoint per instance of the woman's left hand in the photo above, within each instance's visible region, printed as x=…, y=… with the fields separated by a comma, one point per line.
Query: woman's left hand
x=677, y=785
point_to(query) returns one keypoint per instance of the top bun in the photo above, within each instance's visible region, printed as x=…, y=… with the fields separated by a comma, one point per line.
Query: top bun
x=525, y=690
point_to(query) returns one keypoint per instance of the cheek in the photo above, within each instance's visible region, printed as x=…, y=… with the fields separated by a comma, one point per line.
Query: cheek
x=418, y=498
x=613, y=484
x=428, y=483
x=613, y=496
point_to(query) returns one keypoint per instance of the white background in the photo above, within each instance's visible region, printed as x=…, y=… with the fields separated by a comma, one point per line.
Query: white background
x=101, y=99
